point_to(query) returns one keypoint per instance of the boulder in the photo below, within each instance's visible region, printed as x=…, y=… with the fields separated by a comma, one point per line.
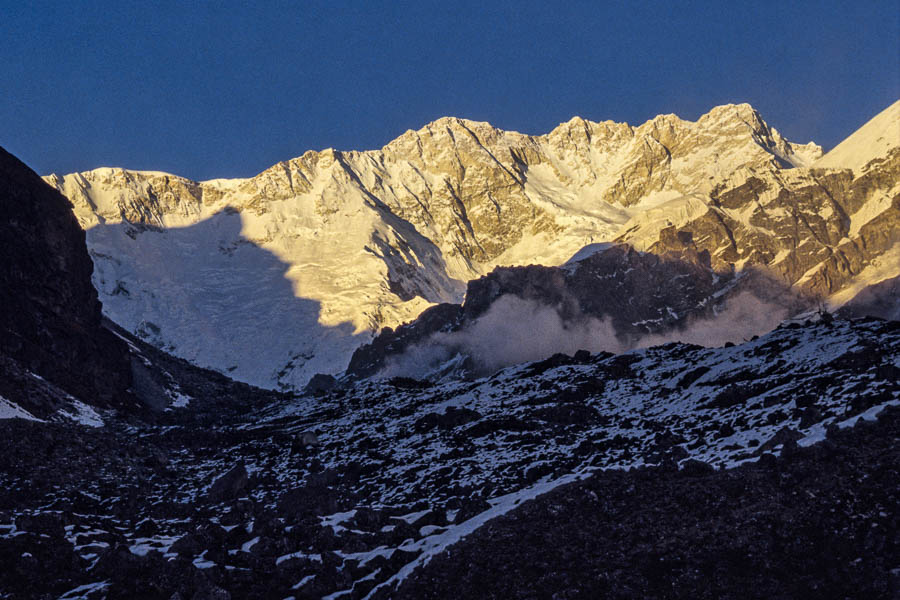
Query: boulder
x=229, y=485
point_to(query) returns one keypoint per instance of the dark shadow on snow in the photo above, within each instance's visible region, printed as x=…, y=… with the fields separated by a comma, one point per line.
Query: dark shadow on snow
x=207, y=293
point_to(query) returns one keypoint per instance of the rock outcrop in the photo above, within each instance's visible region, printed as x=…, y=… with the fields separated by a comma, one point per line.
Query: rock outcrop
x=50, y=322
x=609, y=297
x=815, y=229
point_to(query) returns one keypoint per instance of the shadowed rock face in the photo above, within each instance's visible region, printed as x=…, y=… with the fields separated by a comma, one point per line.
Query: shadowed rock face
x=634, y=290
x=50, y=317
x=879, y=300
x=634, y=294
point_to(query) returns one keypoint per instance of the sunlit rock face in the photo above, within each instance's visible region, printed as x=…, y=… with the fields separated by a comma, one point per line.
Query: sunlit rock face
x=274, y=278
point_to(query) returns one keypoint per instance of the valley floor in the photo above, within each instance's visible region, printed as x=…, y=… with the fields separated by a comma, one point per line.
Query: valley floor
x=817, y=522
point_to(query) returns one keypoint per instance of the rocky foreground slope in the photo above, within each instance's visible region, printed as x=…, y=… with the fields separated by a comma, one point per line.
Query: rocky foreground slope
x=819, y=522
x=208, y=502
x=278, y=277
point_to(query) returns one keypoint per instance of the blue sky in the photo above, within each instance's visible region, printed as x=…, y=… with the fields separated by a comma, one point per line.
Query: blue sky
x=226, y=89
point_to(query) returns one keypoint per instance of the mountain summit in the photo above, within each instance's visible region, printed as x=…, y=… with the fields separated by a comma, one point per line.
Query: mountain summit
x=277, y=277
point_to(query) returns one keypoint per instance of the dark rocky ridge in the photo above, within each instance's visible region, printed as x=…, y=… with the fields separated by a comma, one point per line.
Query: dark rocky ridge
x=50, y=320
x=637, y=293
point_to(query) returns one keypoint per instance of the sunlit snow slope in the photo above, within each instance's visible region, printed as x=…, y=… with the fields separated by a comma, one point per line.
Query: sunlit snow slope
x=873, y=140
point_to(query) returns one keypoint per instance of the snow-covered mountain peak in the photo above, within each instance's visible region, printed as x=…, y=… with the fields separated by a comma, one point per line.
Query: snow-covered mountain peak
x=368, y=239
x=451, y=123
x=742, y=111
x=874, y=140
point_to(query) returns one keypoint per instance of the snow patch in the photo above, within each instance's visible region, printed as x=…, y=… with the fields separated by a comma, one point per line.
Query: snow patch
x=873, y=140
x=83, y=590
x=435, y=544
x=82, y=414
x=10, y=410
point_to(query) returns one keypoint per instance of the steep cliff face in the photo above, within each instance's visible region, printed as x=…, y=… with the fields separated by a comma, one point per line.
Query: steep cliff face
x=365, y=240
x=817, y=229
x=50, y=317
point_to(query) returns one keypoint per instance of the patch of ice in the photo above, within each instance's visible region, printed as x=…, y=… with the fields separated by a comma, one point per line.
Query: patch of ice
x=427, y=530
x=202, y=563
x=412, y=517
x=335, y=520
x=142, y=546
x=817, y=432
x=284, y=557
x=179, y=400
x=10, y=410
x=248, y=545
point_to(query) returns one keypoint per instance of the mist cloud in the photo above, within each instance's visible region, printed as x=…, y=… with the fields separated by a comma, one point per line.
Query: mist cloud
x=512, y=331
x=744, y=316
x=515, y=330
